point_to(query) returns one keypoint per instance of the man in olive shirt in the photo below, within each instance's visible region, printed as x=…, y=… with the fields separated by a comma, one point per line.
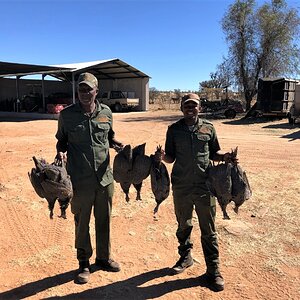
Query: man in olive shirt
x=84, y=136
x=191, y=143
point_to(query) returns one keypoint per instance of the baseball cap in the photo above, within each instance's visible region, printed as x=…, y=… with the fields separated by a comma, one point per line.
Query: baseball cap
x=190, y=97
x=88, y=79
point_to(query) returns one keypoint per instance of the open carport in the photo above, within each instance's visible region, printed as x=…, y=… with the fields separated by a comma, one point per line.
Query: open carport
x=113, y=74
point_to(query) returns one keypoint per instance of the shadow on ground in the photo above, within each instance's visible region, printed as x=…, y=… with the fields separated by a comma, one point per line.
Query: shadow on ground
x=130, y=288
x=251, y=120
x=292, y=136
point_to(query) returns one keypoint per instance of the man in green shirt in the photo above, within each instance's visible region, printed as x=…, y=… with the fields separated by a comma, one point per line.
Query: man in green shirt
x=84, y=136
x=191, y=143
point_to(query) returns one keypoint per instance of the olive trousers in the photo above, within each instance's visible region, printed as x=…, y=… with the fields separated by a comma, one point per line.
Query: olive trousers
x=86, y=198
x=185, y=200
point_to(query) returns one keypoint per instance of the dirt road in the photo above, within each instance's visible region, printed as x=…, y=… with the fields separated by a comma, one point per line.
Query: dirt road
x=259, y=247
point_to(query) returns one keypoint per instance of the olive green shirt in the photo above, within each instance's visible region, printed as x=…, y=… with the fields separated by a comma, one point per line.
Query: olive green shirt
x=192, y=149
x=86, y=140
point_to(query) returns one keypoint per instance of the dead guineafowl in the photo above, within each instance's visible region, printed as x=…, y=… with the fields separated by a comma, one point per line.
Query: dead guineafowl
x=52, y=182
x=160, y=180
x=228, y=182
x=131, y=166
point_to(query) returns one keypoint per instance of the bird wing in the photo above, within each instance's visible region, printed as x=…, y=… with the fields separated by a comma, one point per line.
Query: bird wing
x=121, y=168
x=141, y=168
x=219, y=182
x=138, y=150
x=160, y=182
x=241, y=190
x=36, y=182
x=60, y=190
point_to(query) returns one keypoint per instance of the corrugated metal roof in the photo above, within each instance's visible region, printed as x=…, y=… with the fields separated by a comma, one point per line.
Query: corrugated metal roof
x=102, y=69
x=19, y=69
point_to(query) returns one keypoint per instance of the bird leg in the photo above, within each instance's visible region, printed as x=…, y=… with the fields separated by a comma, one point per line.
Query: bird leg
x=236, y=209
x=125, y=187
x=51, y=211
x=156, y=208
x=155, y=212
x=138, y=188
x=63, y=207
x=225, y=215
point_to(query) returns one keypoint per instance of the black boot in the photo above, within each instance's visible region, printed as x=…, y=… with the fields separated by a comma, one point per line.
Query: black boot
x=83, y=275
x=185, y=261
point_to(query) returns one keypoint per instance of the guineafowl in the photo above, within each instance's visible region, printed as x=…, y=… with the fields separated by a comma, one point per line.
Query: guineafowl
x=160, y=181
x=131, y=166
x=228, y=182
x=52, y=183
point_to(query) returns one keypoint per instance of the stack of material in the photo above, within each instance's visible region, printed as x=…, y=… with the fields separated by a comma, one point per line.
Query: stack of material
x=52, y=183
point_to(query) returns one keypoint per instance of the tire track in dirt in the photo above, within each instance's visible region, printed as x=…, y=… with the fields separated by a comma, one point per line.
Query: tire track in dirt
x=19, y=227
x=55, y=233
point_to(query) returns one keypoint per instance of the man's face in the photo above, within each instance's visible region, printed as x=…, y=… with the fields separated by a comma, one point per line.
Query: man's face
x=86, y=94
x=190, y=111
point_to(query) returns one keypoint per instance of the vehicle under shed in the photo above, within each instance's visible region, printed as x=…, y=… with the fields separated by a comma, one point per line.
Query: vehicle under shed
x=113, y=74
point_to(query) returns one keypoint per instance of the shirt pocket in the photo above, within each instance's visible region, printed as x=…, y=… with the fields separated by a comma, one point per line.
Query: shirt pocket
x=79, y=134
x=101, y=132
x=202, y=141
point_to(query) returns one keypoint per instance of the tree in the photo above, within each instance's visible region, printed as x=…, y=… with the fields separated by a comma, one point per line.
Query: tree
x=261, y=43
x=153, y=92
x=217, y=80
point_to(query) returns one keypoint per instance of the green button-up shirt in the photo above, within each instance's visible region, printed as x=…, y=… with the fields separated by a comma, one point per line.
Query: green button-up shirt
x=86, y=140
x=192, y=149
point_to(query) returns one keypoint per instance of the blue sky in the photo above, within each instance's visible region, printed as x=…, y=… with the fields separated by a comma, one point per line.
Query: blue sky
x=176, y=43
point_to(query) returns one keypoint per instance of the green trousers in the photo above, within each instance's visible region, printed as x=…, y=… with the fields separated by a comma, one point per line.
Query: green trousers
x=87, y=198
x=185, y=200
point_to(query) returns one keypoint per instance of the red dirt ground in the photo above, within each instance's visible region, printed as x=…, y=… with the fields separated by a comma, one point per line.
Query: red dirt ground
x=259, y=247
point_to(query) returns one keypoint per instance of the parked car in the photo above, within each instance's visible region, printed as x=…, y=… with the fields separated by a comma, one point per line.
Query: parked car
x=119, y=101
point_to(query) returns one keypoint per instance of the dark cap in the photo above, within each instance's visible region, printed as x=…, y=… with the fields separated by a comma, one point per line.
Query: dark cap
x=190, y=97
x=88, y=79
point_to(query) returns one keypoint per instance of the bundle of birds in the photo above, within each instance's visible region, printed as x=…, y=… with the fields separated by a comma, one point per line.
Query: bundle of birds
x=228, y=182
x=52, y=182
x=160, y=180
x=131, y=166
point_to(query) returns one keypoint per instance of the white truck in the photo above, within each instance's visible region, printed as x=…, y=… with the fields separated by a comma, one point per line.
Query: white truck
x=118, y=101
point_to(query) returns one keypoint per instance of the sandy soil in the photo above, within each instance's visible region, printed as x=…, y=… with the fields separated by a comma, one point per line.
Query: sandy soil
x=259, y=247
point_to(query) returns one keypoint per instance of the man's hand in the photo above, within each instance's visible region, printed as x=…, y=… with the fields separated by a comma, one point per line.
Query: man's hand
x=159, y=155
x=230, y=158
x=60, y=158
x=117, y=145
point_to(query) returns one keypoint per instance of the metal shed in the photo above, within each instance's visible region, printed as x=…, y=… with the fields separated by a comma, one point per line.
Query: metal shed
x=113, y=74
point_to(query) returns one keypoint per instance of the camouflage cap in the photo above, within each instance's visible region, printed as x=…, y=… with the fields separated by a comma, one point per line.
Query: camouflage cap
x=190, y=97
x=88, y=79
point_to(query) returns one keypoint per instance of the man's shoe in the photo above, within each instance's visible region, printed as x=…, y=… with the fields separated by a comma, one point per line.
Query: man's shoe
x=183, y=263
x=215, y=282
x=83, y=275
x=108, y=265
